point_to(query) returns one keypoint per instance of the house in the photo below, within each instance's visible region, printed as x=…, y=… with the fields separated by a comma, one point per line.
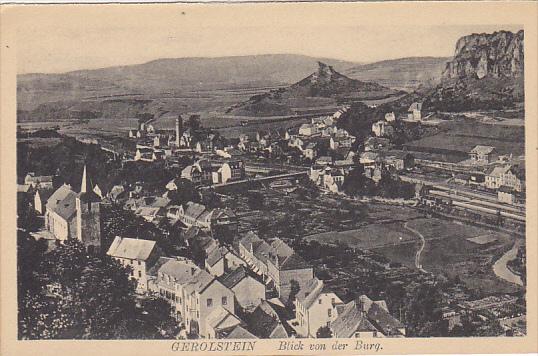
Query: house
x=166, y=277
x=44, y=182
x=229, y=171
x=60, y=213
x=375, y=172
x=328, y=178
x=240, y=333
x=220, y=322
x=40, y=199
x=514, y=177
x=414, y=111
x=117, y=194
x=370, y=158
x=324, y=161
x=399, y=160
x=310, y=151
x=507, y=175
x=308, y=130
x=494, y=176
x=344, y=141
x=382, y=128
x=283, y=272
x=364, y=318
x=144, y=154
x=483, y=154
x=194, y=214
x=200, y=173
x=390, y=117
x=506, y=195
x=249, y=291
x=221, y=260
x=268, y=322
x=202, y=295
x=138, y=254
x=376, y=143
x=314, y=308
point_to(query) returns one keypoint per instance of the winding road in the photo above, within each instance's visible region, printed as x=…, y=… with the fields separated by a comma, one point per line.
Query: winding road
x=419, y=252
x=502, y=271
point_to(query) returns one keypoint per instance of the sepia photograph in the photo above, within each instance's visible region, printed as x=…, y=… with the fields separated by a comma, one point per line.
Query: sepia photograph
x=199, y=176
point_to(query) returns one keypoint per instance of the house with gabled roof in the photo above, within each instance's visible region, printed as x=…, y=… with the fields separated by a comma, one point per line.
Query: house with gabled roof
x=249, y=291
x=202, y=295
x=44, y=182
x=168, y=275
x=267, y=322
x=483, y=154
x=40, y=199
x=315, y=308
x=221, y=260
x=60, y=213
x=240, y=333
x=363, y=318
x=221, y=322
x=138, y=254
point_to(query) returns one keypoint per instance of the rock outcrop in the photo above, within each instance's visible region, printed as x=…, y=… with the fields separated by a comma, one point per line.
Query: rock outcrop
x=498, y=55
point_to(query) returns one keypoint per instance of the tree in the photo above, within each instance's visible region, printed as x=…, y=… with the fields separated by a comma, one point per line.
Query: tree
x=194, y=122
x=84, y=296
x=324, y=332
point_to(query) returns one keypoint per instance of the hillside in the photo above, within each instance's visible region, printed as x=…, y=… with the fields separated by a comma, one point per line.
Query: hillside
x=325, y=87
x=403, y=73
x=172, y=76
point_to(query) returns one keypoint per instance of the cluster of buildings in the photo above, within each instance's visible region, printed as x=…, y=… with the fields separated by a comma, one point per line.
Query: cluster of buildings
x=155, y=145
x=204, y=172
x=245, y=291
x=311, y=140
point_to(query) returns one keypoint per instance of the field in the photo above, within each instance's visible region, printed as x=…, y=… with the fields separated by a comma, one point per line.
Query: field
x=460, y=136
x=448, y=251
x=368, y=237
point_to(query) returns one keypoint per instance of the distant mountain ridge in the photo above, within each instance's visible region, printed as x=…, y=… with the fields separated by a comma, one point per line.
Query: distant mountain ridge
x=324, y=87
x=402, y=73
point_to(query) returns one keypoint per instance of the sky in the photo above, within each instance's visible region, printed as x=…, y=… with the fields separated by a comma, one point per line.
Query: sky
x=49, y=41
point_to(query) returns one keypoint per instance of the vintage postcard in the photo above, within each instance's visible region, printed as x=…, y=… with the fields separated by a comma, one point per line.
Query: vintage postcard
x=247, y=179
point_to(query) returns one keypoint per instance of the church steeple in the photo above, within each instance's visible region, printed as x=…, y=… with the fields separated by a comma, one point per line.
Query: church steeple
x=84, y=185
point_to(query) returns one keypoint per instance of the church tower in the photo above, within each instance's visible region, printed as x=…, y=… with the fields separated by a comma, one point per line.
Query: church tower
x=179, y=128
x=88, y=206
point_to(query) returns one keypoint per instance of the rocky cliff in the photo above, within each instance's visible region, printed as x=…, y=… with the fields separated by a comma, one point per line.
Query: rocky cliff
x=499, y=54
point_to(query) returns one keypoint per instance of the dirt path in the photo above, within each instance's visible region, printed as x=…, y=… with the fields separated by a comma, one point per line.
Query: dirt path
x=419, y=252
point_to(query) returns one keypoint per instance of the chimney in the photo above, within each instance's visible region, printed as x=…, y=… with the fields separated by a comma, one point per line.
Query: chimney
x=179, y=124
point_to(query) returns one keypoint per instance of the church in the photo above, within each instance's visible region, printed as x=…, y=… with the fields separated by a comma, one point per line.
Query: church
x=71, y=215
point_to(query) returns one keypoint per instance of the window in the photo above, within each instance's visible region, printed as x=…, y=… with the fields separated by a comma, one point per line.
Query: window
x=139, y=274
x=319, y=300
x=329, y=312
x=224, y=300
x=139, y=263
x=357, y=334
x=209, y=302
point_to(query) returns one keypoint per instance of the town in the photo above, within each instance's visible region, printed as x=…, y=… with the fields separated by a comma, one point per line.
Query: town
x=328, y=208
x=233, y=284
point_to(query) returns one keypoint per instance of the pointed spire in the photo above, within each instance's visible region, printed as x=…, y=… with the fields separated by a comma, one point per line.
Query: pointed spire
x=85, y=186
